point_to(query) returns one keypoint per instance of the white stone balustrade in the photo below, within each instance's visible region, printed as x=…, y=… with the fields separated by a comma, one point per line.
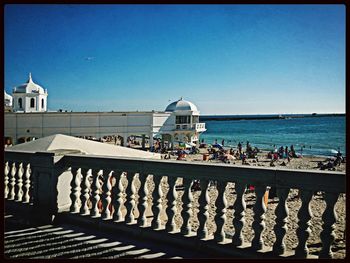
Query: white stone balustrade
x=239, y=220
x=26, y=197
x=259, y=211
x=106, y=196
x=85, y=191
x=19, y=190
x=143, y=192
x=186, y=208
x=280, y=228
x=130, y=203
x=96, y=190
x=6, y=179
x=117, y=197
x=75, y=190
x=171, y=209
x=203, y=214
x=220, y=216
x=157, y=204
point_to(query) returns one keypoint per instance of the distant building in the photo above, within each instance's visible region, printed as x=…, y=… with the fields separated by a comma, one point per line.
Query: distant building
x=30, y=119
x=187, y=128
x=7, y=100
x=29, y=97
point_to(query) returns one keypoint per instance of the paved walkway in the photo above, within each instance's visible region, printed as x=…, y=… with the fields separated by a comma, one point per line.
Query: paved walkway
x=66, y=241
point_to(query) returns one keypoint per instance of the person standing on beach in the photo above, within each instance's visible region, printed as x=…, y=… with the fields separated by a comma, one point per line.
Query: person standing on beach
x=239, y=147
x=223, y=142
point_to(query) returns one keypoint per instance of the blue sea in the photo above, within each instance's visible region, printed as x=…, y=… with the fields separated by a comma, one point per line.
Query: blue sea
x=318, y=136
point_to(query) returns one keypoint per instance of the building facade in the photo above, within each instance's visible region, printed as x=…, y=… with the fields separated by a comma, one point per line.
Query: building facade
x=7, y=100
x=30, y=119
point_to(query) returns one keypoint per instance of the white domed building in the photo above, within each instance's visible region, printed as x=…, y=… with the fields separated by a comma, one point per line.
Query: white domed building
x=185, y=117
x=29, y=97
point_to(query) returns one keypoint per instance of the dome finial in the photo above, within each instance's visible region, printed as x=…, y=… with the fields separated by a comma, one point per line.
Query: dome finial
x=181, y=98
x=30, y=77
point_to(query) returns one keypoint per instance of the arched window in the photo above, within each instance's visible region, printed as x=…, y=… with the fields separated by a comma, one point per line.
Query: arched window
x=20, y=103
x=42, y=103
x=32, y=103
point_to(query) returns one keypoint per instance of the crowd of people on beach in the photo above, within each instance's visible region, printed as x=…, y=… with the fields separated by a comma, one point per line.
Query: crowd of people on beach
x=241, y=153
x=282, y=153
x=219, y=153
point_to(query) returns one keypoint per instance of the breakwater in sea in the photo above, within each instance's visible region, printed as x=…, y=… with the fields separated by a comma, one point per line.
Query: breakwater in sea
x=265, y=117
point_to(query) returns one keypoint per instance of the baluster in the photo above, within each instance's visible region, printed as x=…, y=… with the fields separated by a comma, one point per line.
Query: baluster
x=171, y=209
x=27, y=183
x=85, y=191
x=96, y=187
x=259, y=216
x=239, y=221
x=303, y=231
x=6, y=171
x=106, y=196
x=142, y=220
x=116, y=194
x=280, y=227
x=130, y=199
x=157, y=202
x=20, y=183
x=220, y=216
x=186, y=211
x=203, y=210
x=75, y=190
x=13, y=181
x=33, y=186
x=329, y=218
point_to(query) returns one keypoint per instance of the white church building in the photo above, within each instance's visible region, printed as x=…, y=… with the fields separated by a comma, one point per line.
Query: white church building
x=30, y=119
x=29, y=97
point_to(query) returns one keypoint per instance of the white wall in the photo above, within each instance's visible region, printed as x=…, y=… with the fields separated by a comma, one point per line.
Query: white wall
x=97, y=124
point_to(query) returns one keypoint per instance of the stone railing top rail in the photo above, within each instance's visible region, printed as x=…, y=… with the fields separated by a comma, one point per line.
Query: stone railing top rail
x=276, y=177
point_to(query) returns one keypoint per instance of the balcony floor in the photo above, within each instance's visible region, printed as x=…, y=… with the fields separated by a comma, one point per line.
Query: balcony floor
x=23, y=240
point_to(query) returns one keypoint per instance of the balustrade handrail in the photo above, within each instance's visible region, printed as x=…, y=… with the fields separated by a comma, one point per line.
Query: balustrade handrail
x=328, y=181
x=23, y=156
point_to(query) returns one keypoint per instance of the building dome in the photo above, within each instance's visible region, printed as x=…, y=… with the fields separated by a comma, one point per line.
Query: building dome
x=181, y=105
x=29, y=87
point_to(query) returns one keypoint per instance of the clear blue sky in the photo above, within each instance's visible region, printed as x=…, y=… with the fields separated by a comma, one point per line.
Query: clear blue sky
x=227, y=59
